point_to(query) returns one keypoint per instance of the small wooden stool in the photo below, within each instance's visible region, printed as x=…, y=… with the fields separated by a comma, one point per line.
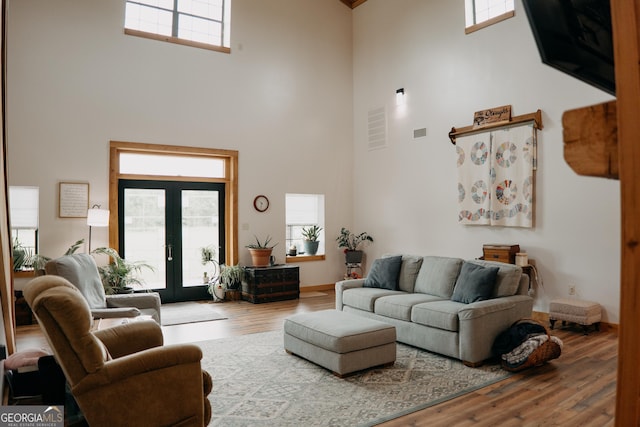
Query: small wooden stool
x=585, y=313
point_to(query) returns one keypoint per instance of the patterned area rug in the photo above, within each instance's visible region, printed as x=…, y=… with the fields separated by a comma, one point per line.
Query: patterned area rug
x=256, y=383
x=178, y=313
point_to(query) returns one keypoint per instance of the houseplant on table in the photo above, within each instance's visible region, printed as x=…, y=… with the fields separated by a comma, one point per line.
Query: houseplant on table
x=350, y=242
x=310, y=236
x=118, y=277
x=261, y=252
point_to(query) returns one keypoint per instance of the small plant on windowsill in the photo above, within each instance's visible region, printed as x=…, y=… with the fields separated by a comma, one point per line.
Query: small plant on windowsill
x=310, y=236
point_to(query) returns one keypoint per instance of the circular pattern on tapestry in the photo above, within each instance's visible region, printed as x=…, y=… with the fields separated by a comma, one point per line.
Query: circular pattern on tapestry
x=506, y=154
x=460, y=153
x=528, y=150
x=479, y=192
x=527, y=189
x=479, y=153
x=506, y=192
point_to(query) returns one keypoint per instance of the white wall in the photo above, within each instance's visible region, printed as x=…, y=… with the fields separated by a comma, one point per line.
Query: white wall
x=282, y=98
x=406, y=195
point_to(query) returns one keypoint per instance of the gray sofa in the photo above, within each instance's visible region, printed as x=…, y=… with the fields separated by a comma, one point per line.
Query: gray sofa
x=426, y=308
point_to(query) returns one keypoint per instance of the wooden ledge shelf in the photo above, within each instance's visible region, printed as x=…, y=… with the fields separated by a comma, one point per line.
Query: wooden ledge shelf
x=536, y=118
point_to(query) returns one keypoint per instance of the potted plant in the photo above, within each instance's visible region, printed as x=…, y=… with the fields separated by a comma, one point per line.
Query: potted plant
x=118, y=277
x=310, y=236
x=231, y=278
x=39, y=261
x=207, y=256
x=20, y=256
x=261, y=252
x=350, y=242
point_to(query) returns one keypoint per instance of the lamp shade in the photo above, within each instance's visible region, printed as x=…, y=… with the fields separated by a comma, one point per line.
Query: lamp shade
x=97, y=217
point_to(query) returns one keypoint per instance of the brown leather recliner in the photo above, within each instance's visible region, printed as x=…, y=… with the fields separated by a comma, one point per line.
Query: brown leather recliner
x=120, y=376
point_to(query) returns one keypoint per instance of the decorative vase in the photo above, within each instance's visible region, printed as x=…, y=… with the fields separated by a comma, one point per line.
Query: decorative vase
x=310, y=248
x=353, y=257
x=218, y=292
x=260, y=257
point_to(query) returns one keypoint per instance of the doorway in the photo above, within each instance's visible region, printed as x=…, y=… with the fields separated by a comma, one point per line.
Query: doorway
x=166, y=224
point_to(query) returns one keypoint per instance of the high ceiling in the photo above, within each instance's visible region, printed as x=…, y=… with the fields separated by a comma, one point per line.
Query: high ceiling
x=353, y=3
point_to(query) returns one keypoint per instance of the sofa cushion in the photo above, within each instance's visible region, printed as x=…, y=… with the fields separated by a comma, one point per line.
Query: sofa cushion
x=475, y=283
x=365, y=298
x=384, y=273
x=508, y=279
x=438, y=275
x=408, y=271
x=399, y=306
x=441, y=314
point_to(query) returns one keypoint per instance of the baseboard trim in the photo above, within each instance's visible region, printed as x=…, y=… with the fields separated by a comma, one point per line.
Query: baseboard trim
x=604, y=326
x=318, y=288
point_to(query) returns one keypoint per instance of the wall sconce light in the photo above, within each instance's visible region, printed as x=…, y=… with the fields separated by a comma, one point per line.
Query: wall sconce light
x=97, y=217
x=400, y=96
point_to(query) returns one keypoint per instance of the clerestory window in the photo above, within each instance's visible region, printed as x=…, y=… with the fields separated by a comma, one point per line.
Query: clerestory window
x=482, y=13
x=200, y=23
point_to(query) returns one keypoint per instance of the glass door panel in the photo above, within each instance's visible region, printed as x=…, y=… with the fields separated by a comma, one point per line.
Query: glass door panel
x=200, y=229
x=145, y=233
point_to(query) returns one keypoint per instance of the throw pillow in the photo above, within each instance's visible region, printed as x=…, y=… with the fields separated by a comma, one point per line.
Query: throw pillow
x=475, y=283
x=384, y=273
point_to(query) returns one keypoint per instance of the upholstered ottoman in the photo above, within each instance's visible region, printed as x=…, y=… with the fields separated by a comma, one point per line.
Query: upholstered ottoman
x=584, y=313
x=339, y=341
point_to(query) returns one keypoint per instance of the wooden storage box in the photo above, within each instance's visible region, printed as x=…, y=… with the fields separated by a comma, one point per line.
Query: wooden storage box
x=500, y=253
x=266, y=284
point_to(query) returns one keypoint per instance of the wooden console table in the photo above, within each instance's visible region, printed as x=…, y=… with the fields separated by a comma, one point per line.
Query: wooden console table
x=267, y=284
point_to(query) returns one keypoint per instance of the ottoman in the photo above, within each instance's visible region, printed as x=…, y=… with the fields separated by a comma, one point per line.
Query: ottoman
x=341, y=342
x=584, y=313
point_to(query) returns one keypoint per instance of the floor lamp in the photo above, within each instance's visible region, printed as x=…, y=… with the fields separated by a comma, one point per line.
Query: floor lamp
x=97, y=217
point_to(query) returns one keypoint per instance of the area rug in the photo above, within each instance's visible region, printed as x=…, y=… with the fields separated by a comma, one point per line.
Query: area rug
x=178, y=313
x=256, y=383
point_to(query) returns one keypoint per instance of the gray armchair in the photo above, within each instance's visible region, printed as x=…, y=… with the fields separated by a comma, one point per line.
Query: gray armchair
x=81, y=270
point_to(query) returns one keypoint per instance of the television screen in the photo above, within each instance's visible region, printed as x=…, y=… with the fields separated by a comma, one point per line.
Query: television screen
x=575, y=37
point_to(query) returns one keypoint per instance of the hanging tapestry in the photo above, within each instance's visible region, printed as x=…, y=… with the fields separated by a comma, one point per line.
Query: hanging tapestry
x=495, y=176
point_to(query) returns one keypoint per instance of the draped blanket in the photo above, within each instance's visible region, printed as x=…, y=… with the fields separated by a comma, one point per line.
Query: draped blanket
x=495, y=176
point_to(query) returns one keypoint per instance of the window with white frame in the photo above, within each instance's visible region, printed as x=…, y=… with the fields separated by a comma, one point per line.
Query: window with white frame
x=200, y=23
x=23, y=216
x=482, y=13
x=304, y=210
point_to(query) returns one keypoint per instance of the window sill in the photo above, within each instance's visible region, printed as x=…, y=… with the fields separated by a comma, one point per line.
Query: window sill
x=304, y=258
x=176, y=40
x=489, y=22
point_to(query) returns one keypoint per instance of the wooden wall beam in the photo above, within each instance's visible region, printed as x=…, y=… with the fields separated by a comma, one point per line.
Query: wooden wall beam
x=591, y=140
x=626, y=43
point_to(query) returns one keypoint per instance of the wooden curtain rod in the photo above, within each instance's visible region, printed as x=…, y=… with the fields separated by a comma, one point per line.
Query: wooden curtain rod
x=468, y=130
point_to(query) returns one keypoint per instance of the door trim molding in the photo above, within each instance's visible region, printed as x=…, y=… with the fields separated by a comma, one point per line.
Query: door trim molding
x=230, y=180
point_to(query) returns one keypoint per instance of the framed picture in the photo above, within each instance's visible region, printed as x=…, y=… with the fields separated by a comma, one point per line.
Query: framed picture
x=73, y=199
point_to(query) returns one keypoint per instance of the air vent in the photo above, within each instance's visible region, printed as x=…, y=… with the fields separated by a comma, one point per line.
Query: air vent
x=419, y=133
x=377, y=128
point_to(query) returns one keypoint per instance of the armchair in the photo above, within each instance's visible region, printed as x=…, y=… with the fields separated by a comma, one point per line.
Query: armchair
x=81, y=270
x=122, y=375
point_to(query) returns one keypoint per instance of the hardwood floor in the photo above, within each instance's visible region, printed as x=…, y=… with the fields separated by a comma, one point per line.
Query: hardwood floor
x=578, y=389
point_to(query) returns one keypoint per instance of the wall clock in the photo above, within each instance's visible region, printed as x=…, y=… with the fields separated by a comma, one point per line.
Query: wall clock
x=261, y=203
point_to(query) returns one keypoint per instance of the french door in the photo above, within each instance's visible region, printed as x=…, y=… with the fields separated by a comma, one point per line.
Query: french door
x=166, y=224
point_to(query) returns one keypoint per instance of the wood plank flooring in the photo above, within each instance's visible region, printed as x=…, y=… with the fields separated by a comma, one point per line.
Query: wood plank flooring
x=578, y=389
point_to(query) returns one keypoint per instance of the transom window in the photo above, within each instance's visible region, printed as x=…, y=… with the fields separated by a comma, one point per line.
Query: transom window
x=482, y=13
x=200, y=23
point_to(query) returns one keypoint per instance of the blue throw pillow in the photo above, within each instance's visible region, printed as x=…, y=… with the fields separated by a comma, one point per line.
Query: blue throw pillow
x=475, y=283
x=384, y=273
